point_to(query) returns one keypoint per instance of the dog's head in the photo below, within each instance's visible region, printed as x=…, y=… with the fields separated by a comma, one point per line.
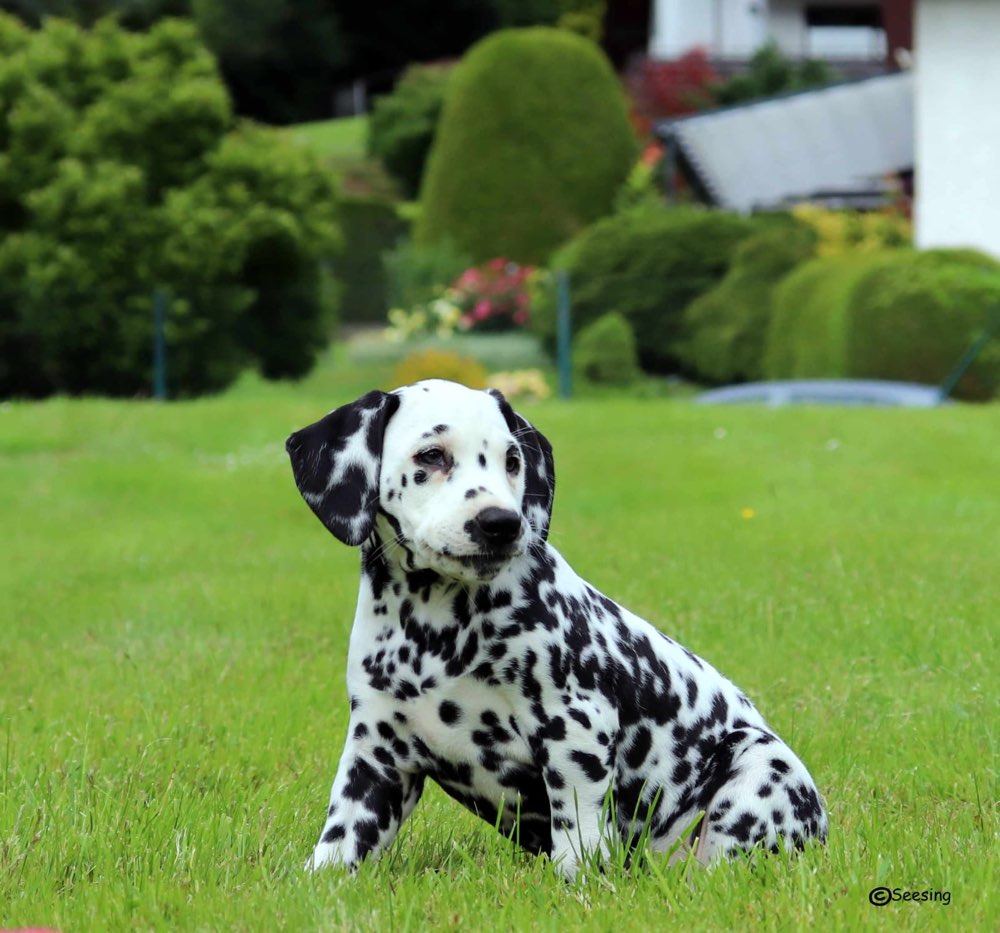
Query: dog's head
x=460, y=481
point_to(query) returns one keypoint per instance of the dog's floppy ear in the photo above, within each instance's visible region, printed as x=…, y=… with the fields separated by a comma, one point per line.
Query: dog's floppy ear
x=337, y=462
x=539, y=467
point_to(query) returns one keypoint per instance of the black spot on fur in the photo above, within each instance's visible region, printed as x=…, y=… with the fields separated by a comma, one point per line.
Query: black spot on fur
x=590, y=765
x=334, y=833
x=580, y=716
x=636, y=754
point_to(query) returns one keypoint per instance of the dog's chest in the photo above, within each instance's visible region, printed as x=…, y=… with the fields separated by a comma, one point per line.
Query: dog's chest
x=452, y=677
x=451, y=687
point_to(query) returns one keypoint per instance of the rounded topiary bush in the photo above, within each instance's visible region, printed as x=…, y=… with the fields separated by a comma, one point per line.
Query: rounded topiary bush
x=898, y=314
x=912, y=318
x=807, y=331
x=605, y=351
x=533, y=144
x=648, y=263
x=725, y=328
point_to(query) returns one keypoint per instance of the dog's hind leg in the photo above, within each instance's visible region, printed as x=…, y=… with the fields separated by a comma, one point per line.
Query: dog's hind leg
x=758, y=793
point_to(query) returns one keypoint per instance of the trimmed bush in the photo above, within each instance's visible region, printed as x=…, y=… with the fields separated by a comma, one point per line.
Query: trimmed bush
x=403, y=123
x=648, y=263
x=806, y=336
x=439, y=364
x=533, y=144
x=605, y=351
x=911, y=318
x=726, y=328
x=371, y=228
x=894, y=315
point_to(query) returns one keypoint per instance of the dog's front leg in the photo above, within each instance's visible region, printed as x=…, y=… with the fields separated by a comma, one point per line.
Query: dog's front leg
x=577, y=783
x=368, y=803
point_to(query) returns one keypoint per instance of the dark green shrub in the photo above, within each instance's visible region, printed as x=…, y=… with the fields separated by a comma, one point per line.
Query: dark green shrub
x=402, y=125
x=605, y=352
x=725, y=328
x=772, y=72
x=898, y=314
x=371, y=227
x=648, y=263
x=121, y=172
x=533, y=144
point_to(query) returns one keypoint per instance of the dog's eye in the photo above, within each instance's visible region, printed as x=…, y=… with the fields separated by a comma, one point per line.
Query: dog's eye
x=432, y=457
x=513, y=461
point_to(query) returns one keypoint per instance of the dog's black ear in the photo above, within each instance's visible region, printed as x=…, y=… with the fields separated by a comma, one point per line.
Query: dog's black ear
x=337, y=462
x=539, y=467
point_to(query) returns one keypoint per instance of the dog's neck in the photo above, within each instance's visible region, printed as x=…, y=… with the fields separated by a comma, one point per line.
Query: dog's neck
x=386, y=566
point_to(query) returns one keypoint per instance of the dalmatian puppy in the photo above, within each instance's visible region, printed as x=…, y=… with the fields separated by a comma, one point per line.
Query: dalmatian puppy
x=478, y=658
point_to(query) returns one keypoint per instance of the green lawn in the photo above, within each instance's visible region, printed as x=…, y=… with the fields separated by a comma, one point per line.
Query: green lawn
x=337, y=140
x=175, y=624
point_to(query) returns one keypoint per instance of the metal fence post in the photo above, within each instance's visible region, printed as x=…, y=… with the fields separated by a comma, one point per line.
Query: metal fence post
x=159, y=345
x=969, y=356
x=563, y=334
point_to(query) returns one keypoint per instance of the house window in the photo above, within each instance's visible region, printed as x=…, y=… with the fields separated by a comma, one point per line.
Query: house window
x=845, y=31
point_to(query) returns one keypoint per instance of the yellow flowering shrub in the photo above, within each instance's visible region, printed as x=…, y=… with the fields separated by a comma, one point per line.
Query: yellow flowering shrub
x=439, y=364
x=521, y=384
x=842, y=232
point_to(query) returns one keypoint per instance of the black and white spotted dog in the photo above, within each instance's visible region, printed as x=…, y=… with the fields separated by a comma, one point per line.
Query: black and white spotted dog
x=480, y=659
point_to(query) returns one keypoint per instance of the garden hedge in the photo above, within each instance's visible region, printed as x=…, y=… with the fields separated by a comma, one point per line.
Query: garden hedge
x=897, y=314
x=648, y=263
x=605, y=352
x=913, y=317
x=726, y=327
x=533, y=144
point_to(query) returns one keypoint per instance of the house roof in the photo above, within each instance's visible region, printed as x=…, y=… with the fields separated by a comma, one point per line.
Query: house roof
x=843, y=139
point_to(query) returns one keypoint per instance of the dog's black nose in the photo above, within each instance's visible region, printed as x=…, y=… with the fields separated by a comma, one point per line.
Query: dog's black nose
x=496, y=527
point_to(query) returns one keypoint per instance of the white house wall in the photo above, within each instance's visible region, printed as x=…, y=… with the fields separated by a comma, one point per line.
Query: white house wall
x=737, y=28
x=958, y=124
x=787, y=23
x=725, y=28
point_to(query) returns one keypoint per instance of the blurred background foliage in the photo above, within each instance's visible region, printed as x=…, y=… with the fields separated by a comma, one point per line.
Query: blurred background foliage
x=143, y=152
x=281, y=58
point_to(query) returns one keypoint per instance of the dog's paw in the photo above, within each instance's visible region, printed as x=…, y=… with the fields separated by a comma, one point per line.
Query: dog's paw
x=324, y=855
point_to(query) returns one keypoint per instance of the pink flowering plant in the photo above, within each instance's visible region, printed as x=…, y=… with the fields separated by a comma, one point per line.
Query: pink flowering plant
x=493, y=296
